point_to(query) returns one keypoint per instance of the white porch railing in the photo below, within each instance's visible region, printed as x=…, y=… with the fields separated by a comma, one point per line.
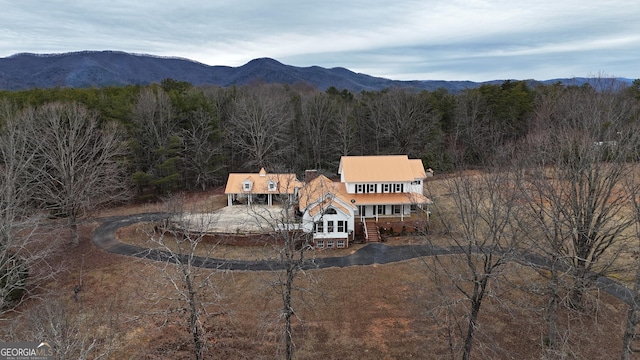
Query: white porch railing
x=289, y=227
x=366, y=233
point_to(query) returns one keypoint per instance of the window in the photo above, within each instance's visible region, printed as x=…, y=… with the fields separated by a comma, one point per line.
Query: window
x=414, y=208
x=371, y=188
x=320, y=227
x=330, y=211
x=397, y=188
x=397, y=209
x=330, y=226
x=416, y=182
x=272, y=185
x=246, y=186
x=386, y=188
x=359, y=188
x=381, y=209
x=320, y=244
x=329, y=243
x=341, y=225
x=340, y=243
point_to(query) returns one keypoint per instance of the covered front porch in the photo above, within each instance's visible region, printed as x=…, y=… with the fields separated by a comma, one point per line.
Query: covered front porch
x=268, y=199
x=377, y=228
x=392, y=211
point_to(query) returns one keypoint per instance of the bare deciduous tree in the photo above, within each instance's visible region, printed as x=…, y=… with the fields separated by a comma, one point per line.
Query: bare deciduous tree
x=201, y=153
x=292, y=247
x=153, y=117
x=579, y=166
x=346, y=129
x=632, y=187
x=259, y=124
x=575, y=165
x=473, y=137
x=70, y=329
x=318, y=124
x=483, y=239
x=24, y=261
x=410, y=122
x=194, y=288
x=630, y=336
x=78, y=160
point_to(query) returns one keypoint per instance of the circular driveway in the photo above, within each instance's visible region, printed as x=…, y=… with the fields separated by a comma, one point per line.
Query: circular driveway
x=372, y=253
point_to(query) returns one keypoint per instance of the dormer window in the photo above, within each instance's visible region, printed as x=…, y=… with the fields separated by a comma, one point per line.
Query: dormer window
x=271, y=185
x=247, y=185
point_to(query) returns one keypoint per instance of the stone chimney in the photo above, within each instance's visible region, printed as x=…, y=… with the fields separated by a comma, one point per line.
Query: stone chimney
x=310, y=175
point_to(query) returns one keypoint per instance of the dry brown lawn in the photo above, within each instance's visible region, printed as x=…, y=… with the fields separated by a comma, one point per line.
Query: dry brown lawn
x=393, y=311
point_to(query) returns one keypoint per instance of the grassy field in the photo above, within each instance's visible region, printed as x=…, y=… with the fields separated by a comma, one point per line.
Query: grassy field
x=127, y=310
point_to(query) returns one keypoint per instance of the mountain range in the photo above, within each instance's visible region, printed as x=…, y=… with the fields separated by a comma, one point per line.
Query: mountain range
x=114, y=68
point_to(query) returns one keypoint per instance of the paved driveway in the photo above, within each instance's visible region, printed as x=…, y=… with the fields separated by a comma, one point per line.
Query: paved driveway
x=373, y=253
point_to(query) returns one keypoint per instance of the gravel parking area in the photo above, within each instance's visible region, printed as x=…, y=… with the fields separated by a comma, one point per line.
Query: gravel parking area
x=236, y=219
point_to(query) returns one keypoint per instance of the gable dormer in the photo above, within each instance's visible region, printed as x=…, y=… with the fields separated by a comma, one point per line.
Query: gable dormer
x=272, y=185
x=247, y=185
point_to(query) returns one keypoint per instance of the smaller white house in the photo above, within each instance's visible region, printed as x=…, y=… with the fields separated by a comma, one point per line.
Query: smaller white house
x=327, y=212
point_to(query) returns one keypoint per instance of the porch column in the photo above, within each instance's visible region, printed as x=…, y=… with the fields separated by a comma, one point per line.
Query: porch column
x=401, y=212
x=269, y=200
x=229, y=199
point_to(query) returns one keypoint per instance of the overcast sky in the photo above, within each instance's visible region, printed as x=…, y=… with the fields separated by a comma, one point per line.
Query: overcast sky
x=404, y=39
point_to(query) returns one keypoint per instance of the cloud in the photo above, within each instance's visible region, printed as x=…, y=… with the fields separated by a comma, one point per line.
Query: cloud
x=449, y=39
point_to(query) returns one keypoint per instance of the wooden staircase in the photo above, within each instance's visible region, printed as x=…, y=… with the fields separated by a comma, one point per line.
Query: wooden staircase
x=373, y=231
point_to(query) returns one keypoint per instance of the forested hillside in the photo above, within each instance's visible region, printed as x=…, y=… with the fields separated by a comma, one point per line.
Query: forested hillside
x=180, y=136
x=115, y=68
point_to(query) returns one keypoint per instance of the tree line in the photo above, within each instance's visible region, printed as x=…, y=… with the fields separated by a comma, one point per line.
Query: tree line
x=182, y=137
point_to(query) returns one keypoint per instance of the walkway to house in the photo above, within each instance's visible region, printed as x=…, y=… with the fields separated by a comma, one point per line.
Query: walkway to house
x=373, y=253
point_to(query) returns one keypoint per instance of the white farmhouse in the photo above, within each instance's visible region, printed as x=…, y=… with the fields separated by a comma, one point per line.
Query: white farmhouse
x=370, y=188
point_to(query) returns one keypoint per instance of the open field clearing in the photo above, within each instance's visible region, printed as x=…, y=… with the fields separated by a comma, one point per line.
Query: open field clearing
x=364, y=312
x=127, y=307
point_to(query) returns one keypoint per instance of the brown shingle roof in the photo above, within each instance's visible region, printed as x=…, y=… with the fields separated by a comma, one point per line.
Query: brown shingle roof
x=417, y=168
x=318, y=188
x=285, y=183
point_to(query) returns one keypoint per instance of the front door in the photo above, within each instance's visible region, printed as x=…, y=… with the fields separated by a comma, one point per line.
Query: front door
x=362, y=210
